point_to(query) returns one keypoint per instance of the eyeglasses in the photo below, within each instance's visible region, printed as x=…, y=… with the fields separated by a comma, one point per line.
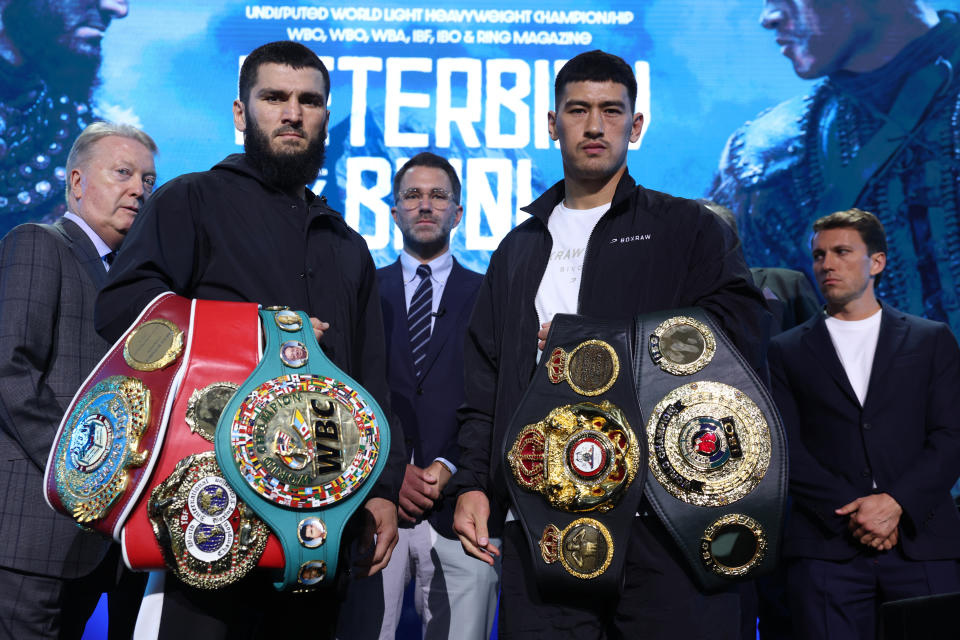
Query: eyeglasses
x=439, y=199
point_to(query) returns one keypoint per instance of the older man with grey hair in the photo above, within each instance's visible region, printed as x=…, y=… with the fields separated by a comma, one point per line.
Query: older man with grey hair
x=51, y=572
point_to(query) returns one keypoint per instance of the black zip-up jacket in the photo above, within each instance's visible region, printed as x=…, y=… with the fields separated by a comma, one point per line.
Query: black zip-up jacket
x=224, y=234
x=649, y=252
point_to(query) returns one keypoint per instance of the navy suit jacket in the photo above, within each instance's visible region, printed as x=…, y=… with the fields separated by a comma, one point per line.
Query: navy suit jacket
x=427, y=407
x=49, y=276
x=906, y=436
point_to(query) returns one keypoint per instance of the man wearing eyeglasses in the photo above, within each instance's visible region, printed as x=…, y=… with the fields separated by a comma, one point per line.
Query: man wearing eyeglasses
x=427, y=298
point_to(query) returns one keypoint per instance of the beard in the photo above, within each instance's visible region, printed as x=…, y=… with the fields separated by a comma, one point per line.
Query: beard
x=284, y=171
x=44, y=34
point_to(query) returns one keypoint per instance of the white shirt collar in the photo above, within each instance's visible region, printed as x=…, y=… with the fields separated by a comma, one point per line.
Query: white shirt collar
x=440, y=267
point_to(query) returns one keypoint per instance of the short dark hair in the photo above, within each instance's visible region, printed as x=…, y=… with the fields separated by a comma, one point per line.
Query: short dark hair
x=427, y=159
x=867, y=225
x=596, y=66
x=291, y=54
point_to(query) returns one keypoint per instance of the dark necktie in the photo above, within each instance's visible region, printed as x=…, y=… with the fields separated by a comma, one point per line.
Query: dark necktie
x=418, y=318
x=108, y=258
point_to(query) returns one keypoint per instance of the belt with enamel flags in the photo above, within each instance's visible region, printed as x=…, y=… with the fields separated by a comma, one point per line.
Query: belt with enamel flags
x=299, y=446
x=663, y=406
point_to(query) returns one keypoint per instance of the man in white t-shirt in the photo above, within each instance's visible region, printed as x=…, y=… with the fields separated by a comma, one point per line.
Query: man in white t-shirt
x=599, y=245
x=867, y=395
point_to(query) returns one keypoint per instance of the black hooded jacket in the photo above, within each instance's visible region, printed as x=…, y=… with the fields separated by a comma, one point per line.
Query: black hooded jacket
x=649, y=252
x=224, y=234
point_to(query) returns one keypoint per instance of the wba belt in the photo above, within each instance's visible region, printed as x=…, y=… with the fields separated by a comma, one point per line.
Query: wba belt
x=190, y=519
x=717, y=454
x=105, y=448
x=301, y=444
x=574, y=455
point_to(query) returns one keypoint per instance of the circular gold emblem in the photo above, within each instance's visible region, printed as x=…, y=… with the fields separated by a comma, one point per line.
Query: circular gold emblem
x=288, y=320
x=100, y=444
x=709, y=444
x=581, y=457
x=586, y=548
x=208, y=537
x=682, y=345
x=153, y=345
x=206, y=405
x=305, y=441
x=590, y=369
x=733, y=545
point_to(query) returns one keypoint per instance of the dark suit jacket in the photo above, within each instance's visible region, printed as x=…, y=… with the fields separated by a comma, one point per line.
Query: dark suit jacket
x=49, y=275
x=906, y=437
x=427, y=408
x=796, y=301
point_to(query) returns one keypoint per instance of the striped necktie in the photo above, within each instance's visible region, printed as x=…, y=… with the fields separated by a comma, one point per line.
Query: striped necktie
x=418, y=318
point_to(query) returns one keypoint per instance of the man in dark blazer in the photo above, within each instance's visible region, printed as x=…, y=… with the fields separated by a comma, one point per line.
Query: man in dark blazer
x=51, y=572
x=427, y=299
x=868, y=397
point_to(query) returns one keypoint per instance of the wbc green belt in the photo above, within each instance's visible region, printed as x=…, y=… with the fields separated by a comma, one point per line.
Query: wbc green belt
x=302, y=444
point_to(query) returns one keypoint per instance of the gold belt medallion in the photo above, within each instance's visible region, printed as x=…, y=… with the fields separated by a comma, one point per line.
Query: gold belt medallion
x=733, y=545
x=590, y=369
x=209, y=538
x=153, y=345
x=205, y=406
x=581, y=457
x=104, y=430
x=709, y=444
x=682, y=345
x=584, y=547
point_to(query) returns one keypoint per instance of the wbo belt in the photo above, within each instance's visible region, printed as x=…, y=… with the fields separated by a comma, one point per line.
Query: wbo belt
x=574, y=456
x=717, y=454
x=190, y=520
x=302, y=444
x=105, y=447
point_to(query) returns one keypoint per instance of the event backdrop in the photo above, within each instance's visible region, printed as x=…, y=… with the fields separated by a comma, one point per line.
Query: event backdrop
x=473, y=82
x=470, y=81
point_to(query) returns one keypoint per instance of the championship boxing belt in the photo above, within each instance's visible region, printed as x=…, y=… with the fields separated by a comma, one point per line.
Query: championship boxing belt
x=104, y=450
x=301, y=444
x=190, y=519
x=574, y=457
x=717, y=454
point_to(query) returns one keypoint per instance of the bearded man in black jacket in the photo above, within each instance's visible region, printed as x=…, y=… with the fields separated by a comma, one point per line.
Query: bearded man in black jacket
x=249, y=230
x=599, y=245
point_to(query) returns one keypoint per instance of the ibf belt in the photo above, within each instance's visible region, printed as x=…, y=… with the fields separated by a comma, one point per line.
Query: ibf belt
x=104, y=450
x=302, y=444
x=173, y=524
x=717, y=457
x=574, y=460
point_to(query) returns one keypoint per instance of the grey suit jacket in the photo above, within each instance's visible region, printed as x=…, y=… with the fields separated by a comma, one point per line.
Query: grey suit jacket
x=49, y=276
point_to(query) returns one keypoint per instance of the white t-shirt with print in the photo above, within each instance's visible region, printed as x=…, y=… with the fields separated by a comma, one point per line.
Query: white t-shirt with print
x=570, y=229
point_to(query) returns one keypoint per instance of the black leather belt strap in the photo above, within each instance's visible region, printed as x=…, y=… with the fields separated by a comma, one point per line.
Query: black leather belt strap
x=575, y=457
x=718, y=466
